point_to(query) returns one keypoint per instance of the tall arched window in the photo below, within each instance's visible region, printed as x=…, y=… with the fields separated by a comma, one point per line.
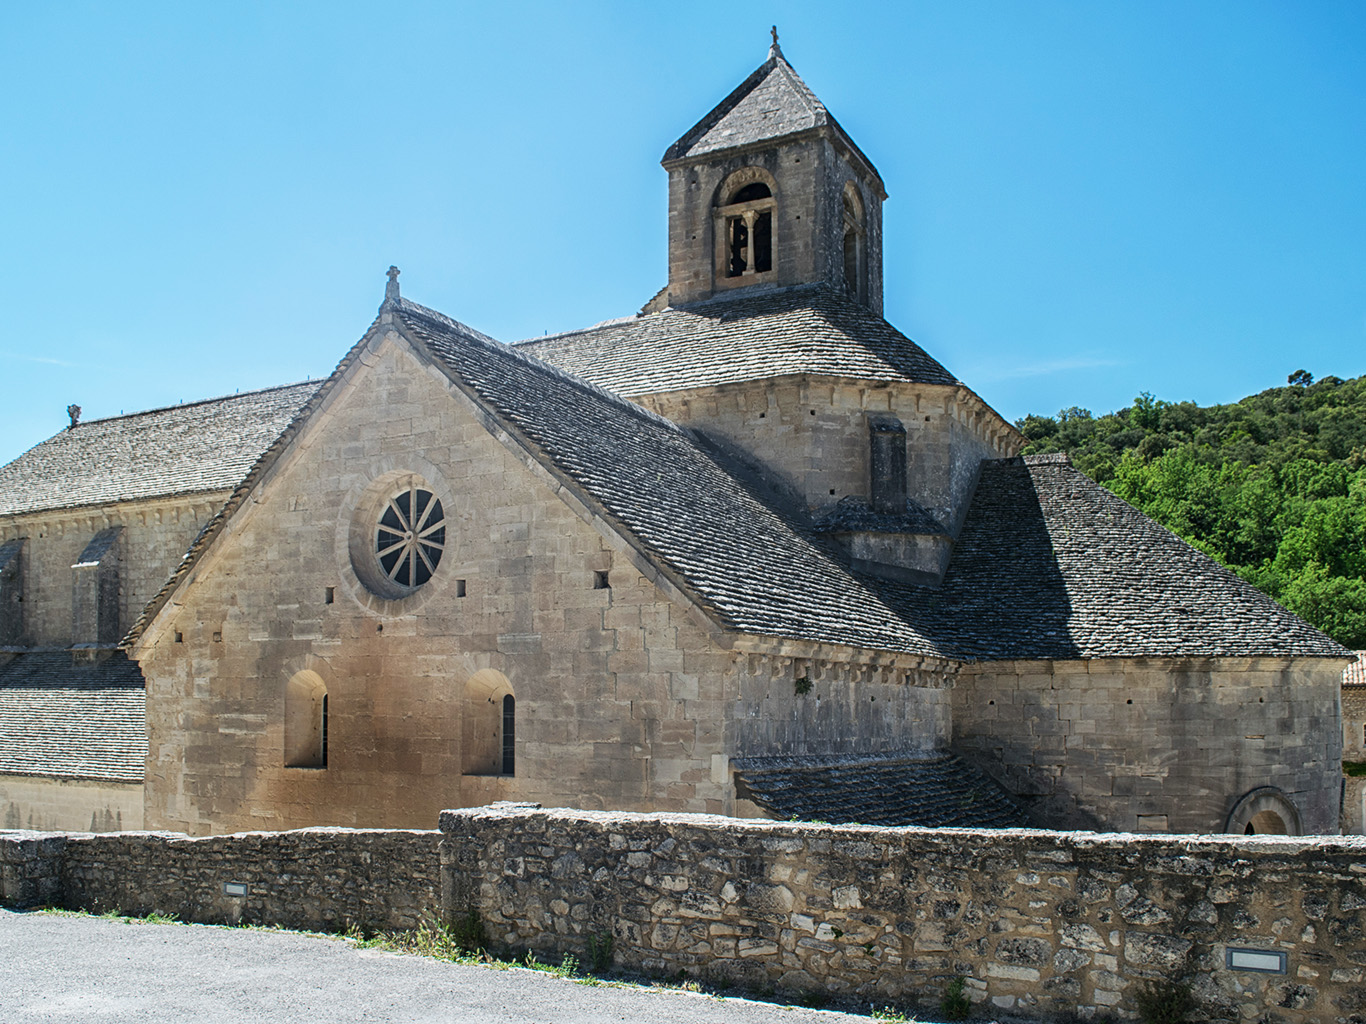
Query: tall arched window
x=744, y=225
x=855, y=249
x=488, y=730
x=306, y=721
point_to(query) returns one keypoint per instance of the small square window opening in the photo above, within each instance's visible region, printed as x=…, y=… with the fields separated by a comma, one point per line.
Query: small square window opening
x=459, y=588
x=600, y=581
x=329, y=595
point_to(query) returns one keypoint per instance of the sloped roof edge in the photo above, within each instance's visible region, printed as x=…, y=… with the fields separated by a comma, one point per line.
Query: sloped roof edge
x=214, y=527
x=823, y=122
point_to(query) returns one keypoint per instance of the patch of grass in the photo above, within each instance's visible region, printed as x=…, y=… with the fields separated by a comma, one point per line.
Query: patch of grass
x=1354, y=769
x=889, y=1014
x=114, y=915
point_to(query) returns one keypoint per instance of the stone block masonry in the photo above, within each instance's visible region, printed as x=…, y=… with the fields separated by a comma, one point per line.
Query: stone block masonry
x=322, y=879
x=1040, y=924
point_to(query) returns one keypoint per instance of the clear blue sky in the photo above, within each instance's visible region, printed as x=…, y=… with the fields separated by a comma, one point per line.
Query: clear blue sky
x=1087, y=200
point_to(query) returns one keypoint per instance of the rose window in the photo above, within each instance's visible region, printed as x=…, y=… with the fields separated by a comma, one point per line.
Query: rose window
x=410, y=536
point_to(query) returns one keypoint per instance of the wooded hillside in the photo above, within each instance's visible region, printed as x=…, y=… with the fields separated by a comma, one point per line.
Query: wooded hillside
x=1273, y=486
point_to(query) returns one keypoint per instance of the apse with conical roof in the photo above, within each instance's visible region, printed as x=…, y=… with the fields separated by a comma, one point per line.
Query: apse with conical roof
x=768, y=191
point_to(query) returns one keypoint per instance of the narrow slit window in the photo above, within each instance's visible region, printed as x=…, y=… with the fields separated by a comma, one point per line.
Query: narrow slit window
x=509, y=734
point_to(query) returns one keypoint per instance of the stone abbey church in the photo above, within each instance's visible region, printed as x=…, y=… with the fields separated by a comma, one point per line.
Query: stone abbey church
x=748, y=551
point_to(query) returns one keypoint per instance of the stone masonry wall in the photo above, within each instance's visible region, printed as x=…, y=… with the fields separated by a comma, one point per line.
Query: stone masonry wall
x=812, y=435
x=623, y=698
x=320, y=879
x=50, y=805
x=155, y=537
x=1042, y=924
x=1153, y=744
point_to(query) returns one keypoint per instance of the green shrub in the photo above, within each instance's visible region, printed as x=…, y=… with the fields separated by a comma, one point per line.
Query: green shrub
x=1164, y=1002
x=955, y=1005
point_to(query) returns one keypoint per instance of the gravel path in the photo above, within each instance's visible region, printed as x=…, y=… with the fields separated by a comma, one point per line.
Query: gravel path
x=57, y=967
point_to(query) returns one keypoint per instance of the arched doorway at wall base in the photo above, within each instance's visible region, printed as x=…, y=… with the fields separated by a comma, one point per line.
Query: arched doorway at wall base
x=1265, y=810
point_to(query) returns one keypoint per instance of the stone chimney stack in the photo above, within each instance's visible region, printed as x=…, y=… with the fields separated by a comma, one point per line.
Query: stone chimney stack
x=886, y=465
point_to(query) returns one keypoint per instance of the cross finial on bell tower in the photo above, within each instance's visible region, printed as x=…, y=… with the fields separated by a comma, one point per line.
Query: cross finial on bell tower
x=774, y=50
x=391, y=289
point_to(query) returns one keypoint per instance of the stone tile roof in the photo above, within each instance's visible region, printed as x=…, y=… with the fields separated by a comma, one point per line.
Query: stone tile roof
x=72, y=721
x=851, y=514
x=753, y=569
x=772, y=103
x=1051, y=565
x=809, y=330
x=184, y=449
x=934, y=789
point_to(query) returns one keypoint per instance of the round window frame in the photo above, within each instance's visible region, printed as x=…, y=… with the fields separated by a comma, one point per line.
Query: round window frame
x=410, y=537
x=378, y=589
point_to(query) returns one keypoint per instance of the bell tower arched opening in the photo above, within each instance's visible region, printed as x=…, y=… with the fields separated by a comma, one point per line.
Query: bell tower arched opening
x=744, y=219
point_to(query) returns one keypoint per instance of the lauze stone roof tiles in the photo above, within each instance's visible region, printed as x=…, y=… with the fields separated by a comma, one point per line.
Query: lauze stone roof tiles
x=933, y=789
x=66, y=720
x=184, y=449
x=772, y=103
x=1050, y=564
x=810, y=330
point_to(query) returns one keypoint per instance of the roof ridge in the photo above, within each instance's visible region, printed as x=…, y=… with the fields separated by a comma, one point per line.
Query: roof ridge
x=317, y=382
x=804, y=91
x=550, y=369
x=442, y=318
x=729, y=103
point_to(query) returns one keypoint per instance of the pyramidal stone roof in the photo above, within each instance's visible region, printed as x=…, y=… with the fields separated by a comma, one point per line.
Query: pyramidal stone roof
x=183, y=449
x=810, y=330
x=772, y=103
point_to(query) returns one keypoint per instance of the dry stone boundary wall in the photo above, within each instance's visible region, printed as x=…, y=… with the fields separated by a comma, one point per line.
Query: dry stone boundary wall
x=1052, y=925
x=322, y=879
x=1048, y=925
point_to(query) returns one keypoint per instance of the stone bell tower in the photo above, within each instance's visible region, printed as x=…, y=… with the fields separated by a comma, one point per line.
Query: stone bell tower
x=768, y=191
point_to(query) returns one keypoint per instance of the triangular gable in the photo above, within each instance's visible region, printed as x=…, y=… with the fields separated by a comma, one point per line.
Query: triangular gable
x=772, y=103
